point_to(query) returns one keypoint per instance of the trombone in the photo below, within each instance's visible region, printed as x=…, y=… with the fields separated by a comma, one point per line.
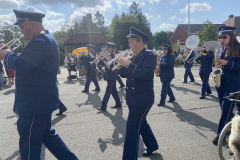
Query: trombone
x=12, y=42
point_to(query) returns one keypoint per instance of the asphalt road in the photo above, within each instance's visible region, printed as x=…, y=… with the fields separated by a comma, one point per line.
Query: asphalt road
x=184, y=129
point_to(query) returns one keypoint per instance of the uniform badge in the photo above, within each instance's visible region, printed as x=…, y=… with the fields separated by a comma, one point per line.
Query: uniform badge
x=42, y=32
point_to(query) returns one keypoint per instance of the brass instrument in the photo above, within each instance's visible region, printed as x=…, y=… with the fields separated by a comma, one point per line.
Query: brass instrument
x=218, y=71
x=12, y=42
x=117, y=57
x=96, y=60
x=204, y=52
x=128, y=56
x=157, y=69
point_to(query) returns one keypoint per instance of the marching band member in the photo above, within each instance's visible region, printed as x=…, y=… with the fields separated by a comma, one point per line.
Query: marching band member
x=111, y=77
x=118, y=78
x=139, y=72
x=188, y=66
x=166, y=65
x=91, y=75
x=36, y=95
x=205, y=70
x=230, y=80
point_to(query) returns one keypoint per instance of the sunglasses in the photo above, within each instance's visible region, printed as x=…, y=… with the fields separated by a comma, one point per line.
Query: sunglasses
x=224, y=37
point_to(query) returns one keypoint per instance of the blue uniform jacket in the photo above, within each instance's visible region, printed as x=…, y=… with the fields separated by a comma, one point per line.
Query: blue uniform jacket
x=206, y=62
x=36, y=76
x=230, y=80
x=110, y=75
x=186, y=64
x=167, y=66
x=89, y=58
x=139, y=74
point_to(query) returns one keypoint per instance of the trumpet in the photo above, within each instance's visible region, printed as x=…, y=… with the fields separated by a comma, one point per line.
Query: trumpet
x=12, y=42
x=96, y=60
x=118, y=66
x=119, y=56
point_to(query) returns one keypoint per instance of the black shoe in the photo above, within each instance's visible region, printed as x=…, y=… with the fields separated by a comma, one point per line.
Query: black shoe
x=145, y=153
x=60, y=112
x=171, y=100
x=161, y=104
x=191, y=81
x=85, y=91
x=117, y=106
x=209, y=93
x=215, y=140
x=96, y=90
x=202, y=97
x=101, y=109
x=184, y=82
x=122, y=87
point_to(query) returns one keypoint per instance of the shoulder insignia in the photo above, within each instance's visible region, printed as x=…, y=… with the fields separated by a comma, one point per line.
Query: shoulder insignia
x=42, y=32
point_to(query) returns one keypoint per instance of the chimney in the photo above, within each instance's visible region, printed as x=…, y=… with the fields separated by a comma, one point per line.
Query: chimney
x=89, y=18
x=231, y=16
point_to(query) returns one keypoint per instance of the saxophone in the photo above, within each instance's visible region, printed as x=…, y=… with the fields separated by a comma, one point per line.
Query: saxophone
x=157, y=69
x=218, y=71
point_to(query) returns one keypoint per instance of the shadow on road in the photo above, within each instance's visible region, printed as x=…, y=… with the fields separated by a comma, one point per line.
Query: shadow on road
x=9, y=92
x=93, y=99
x=192, y=118
x=185, y=90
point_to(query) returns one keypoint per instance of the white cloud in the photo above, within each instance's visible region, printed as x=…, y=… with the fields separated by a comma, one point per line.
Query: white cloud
x=197, y=7
x=148, y=16
x=76, y=3
x=77, y=15
x=10, y=18
x=173, y=2
x=53, y=14
x=9, y=4
x=185, y=20
x=53, y=25
x=142, y=4
x=169, y=27
x=154, y=1
x=173, y=17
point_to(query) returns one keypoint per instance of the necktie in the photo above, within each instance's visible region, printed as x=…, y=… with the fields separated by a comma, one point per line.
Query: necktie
x=224, y=52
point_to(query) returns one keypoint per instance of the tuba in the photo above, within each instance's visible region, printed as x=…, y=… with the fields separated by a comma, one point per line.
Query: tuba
x=157, y=69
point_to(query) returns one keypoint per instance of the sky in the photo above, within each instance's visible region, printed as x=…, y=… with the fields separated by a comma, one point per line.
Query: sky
x=163, y=15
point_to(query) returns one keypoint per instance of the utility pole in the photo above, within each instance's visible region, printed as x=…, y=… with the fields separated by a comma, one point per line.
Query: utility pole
x=188, y=17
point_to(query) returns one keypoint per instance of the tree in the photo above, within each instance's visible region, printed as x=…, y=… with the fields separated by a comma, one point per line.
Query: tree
x=134, y=9
x=160, y=38
x=209, y=33
x=98, y=19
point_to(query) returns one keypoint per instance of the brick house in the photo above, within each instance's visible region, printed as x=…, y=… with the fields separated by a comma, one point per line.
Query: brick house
x=89, y=33
x=234, y=21
x=181, y=32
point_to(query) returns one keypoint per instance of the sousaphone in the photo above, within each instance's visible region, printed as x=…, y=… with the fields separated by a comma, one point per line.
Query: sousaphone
x=191, y=43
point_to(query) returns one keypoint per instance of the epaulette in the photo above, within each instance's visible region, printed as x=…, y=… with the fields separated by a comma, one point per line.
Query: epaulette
x=150, y=52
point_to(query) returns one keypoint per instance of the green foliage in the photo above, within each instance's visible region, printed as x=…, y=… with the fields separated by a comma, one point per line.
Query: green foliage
x=9, y=32
x=209, y=33
x=160, y=38
x=119, y=28
x=176, y=47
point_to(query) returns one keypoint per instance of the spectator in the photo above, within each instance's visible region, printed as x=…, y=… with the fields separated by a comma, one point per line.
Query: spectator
x=1, y=76
x=82, y=70
x=11, y=76
x=67, y=61
x=177, y=62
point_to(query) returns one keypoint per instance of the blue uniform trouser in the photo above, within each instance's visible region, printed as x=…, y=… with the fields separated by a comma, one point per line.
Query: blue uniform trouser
x=226, y=108
x=137, y=125
x=1, y=80
x=111, y=90
x=205, y=86
x=120, y=82
x=91, y=76
x=188, y=73
x=61, y=106
x=37, y=130
x=166, y=90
